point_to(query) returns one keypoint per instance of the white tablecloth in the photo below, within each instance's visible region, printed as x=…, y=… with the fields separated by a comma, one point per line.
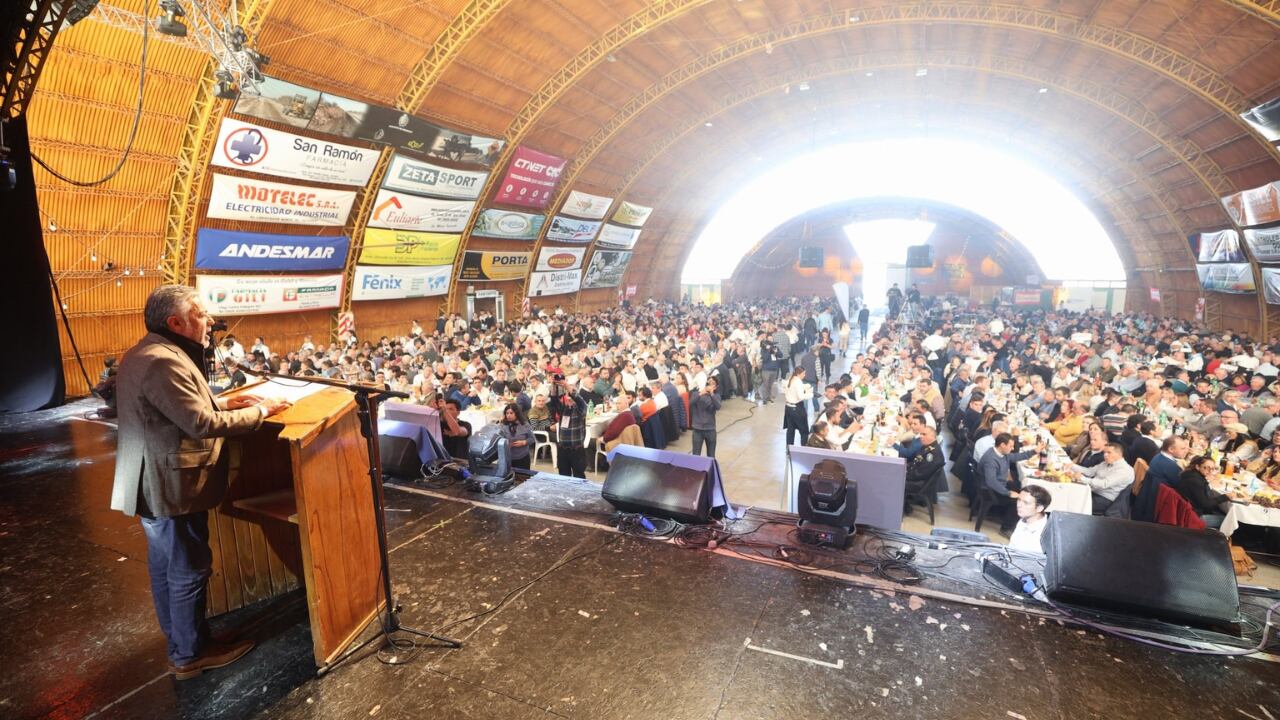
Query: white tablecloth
x=1067, y=497
x=1249, y=515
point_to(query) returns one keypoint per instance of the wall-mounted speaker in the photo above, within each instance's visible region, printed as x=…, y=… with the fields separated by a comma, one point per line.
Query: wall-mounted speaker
x=811, y=257
x=920, y=256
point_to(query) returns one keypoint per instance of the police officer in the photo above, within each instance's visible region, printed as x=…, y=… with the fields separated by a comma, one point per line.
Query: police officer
x=924, y=464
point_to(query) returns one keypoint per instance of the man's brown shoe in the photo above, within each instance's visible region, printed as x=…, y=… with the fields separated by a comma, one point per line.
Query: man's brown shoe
x=215, y=656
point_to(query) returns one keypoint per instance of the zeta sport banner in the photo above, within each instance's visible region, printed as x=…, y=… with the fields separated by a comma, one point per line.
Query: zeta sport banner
x=1226, y=277
x=484, y=265
x=407, y=247
x=631, y=214
x=423, y=178
x=229, y=250
x=402, y=211
x=585, y=205
x=554, y=283
x=565, y=229
x=619, y=237
x=606, y=269
x=1220, y=246
x=508, y=224
x=1256, y=206
x=264, y=294
x=392, y=283
x=242, y=198
x=558, y=258
x=274, y=152
x=531, y=179
x=1264, y=243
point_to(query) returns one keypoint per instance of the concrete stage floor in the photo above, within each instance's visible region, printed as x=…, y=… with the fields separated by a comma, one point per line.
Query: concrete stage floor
x=621, y=627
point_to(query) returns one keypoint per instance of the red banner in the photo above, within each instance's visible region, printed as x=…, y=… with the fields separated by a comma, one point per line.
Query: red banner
x=1155, y=294
x=531, y=179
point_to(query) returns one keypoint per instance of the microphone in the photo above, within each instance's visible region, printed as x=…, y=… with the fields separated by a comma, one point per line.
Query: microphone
x=218, y=326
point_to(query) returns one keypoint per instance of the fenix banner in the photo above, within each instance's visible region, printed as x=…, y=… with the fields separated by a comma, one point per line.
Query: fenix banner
x=274, y=152
x=391, y=283
x=242, y=198
x=407, y=247
x=265, y=294
x=229, y=250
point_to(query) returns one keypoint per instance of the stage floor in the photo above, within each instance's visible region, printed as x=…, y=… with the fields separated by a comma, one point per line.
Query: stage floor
x=624, y=628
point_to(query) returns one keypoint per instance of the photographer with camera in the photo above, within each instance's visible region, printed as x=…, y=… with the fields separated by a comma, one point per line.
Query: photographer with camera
x=570, y=412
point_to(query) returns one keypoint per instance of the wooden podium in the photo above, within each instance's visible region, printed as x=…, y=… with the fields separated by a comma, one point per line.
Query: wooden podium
x=299, y=505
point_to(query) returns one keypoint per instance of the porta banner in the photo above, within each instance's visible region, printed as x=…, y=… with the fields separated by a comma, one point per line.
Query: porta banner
x=841, y=289
x=1220, y=246
x=229, y=250
x=570, y=230
x=423, y=178
x=558, y=258
x=508, y=224
x=1264, y=243
x=401, y=211
x=531, y=179
x=274, y=152
x=1155, y=294
x=1226, y=277
x=391, y=283
x=1257, y=206
x=631, y=214
x=586, y=205
x=1271, y=285
x=618, y=237
x=265, y=294
x=407, y=247
x=248, y=199
x=554, y=283
x=606, y=269
x=484, y=266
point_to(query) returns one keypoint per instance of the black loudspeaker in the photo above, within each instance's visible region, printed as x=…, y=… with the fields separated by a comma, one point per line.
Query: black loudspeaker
x=811, y=257
x=661, y=489
x=399, y=458
x=1141, y=568
x=920, y=256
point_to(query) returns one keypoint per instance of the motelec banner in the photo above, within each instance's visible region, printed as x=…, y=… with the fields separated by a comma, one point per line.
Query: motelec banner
x=531, y=179
x=606, y=269
x=619, y=237
x=508, y=224
x=265, y=294
x=565, y=229
x=1264, y=243
x=559, y=258
x=554, y=283
x=230, y=250
x=242, y=198
x=484, y=265
x=274, y=152
x=407, y=247
x=1220, y=246
x=423, y=178
x=392, y=283
x=1226, y=277
x=1271, y=285
x=585, y=205
x=402, y=211
x=631, y=214
x=1256, y=206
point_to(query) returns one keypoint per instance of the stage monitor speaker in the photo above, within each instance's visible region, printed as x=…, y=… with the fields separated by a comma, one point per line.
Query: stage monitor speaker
x=399, y=458
x=920, y=256
x=811, y=257
x=652, y=488
x=1141, y=568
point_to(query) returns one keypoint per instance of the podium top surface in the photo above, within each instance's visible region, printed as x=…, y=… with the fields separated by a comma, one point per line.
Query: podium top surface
x=315, y=407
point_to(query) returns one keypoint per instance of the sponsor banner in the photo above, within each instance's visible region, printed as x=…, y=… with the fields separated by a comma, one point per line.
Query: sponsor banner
x=391, y=283
x=1220, y=246
x=559, y=258
x=423, y=178
x=463, y=148
x=585, y=205
x=631, y=290
x=554, y=283
x=531, y=179
x=619, y=237
x=1155, y=294
x=508, y=224
x=401, y=211
x=1226, y=277
x=1199, y=309
x=1026, y=297
x=242, y=198
x=1271, y=285
x=631, y=214
x=230, y=250
x=606, y=269
x=1265, y=118
x=274, y=152
x=278, y=101
x=486, y=265
x=407, y=247
x=565, y=229
x=1264, y=243
x=397, y=129
x=264, y=294
x=336, y=115
x=1257, y=206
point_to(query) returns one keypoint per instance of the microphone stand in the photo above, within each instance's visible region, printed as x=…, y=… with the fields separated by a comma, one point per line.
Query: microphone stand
x=367, y=399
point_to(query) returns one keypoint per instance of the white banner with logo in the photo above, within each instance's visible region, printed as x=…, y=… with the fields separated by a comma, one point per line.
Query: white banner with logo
x=572, y=230
x=559, y=258
x=274, y=152
x=264, y=294
x=554, y=283
x=1264, y=243
x=402, y=211
x=423, y=178
x=242, y=198
x=373, y=282
x=1271, y=285
x=1226, y=277
x=586, y=205
x=618, y=237
x=631, y=214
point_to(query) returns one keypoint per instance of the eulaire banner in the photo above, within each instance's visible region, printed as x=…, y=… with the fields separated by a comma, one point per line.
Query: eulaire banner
x=1271, y=285
x=402, y=211
x=266, y=294
x=1220, y=246
x=559, y=258
x=423, y=178
x=1226, y=277
x=253, y=200
x=559, y=282
x=1256, y=206
x=383, y=246
x=571, y=230
x=492, y=266
x=508, y=224
x=606, y=269
x=586, y=205
x=530, y=180
x=393, y=283
x=257, y=149
x=631, y=214
x=618, y=237
x=231, y=250
x=1264, y=243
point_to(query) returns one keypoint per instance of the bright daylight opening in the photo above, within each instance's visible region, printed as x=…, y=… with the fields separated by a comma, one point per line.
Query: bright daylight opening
x=1058, y=230
x=881, y=243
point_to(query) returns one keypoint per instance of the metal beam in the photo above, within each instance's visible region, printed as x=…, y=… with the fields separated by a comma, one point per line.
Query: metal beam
x=25, y=52
x=1269, y=11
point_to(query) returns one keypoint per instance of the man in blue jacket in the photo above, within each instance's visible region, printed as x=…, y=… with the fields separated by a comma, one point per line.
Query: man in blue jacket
x=994, y=467
x=1164, y=469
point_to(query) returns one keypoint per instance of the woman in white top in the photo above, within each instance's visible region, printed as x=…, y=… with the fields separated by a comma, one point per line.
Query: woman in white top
x=1033, y=502
x=843, y=334
x=796, y=417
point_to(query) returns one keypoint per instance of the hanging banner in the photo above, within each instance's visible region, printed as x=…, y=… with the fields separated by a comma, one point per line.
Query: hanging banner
x=391, y=283
x=606, y=269
x=1265, y=118
x=1271, y=285
x=1220, y=246
x=569, y=230
x=1226, y=277
x=336, y=115
x=229, y=250
x=508, y=224
x=1026, y=297
x=265, y=294
x=1264, y=243
x=618, y=237
x=531, y=179
x=463, y=148
x=346, y=323
x=423, y=178
x=554, y=283
x=1256, y=206
x=242, y=198
x=1155, y=294
x=397, y=129
x=407, y=247
x=631, y=214
x=278, y=101
x=631, y=290
x=559, y=258
x=586, y=205
x=484, y=265
x=1199, y=309
x=402, y=211
x=274, y=152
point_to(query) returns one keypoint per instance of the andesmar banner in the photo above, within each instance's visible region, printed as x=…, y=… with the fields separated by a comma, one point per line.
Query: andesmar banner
x=559, y=258
x=531, y=179
x=402, y=211
x=586, y=205
x=242, y=198
x=508, y=224
x=619, y=237
x=606, y=269
x=1226, y=277
x=275, y=152
x=565, y=229
x=1271, y=285
x=392, y=283
x=554, y=283
x=631, y=214
x=423, y=178
x=1256, y=206
x=407, y=247
x=486, y=265
x=1221, y=246
x=1264, y=243
x=265, y=294
x=230, y=250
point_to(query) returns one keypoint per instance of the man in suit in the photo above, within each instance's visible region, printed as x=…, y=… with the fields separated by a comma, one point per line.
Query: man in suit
x=167, y=469
x=993, y=469
x=1164, y=469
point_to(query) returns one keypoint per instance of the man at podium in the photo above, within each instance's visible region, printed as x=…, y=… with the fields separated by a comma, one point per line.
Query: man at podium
x=167, y=471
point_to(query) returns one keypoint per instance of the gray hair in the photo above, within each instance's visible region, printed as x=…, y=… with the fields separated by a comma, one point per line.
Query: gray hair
x=164, y=302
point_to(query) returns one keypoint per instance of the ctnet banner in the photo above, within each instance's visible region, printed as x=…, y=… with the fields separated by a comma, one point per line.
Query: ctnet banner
x=423, y=178
x=508, y=224
x=402, y=211
x=229, y=250
x=393, y=283
x=252, y=200
x=531, y=179
x=266, y=294
x=407, y=247
x=586, y=205
x=274, y=152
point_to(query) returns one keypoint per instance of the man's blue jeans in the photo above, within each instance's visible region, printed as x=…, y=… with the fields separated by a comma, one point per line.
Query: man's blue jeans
x=180, y=563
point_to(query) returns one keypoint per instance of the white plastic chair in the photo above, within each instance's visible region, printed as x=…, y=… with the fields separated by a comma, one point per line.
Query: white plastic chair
x=542, y=441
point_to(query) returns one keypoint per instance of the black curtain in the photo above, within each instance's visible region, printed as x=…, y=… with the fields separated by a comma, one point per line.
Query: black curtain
x=31, y=365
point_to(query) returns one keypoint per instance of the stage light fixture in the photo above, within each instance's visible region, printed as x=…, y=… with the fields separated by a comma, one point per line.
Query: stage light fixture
x=170, y=23
x=236, y=38
x=827, y=502
x=79, y=10
x=226, y=85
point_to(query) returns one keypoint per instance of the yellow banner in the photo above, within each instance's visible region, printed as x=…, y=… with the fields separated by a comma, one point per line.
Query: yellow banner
x=407, y=247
